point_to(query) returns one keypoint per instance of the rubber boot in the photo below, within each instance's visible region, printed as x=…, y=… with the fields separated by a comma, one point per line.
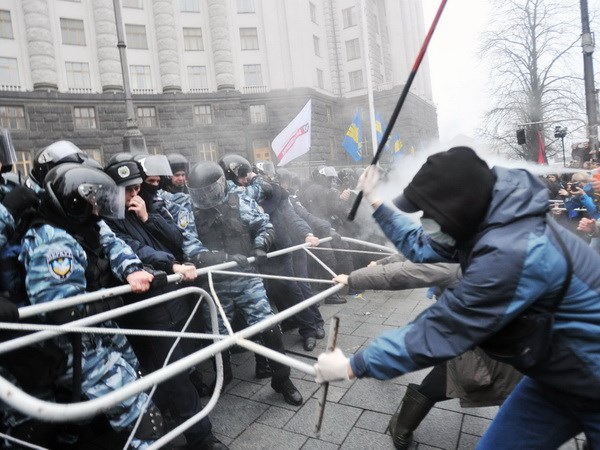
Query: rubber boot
x=412, y=410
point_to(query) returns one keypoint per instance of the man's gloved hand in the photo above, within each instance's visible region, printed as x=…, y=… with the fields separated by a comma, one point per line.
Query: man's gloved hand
x=20, y=199
x=209, y=258
x=333, y=366
x=241, y=260
x=8, y=311
x=101, y=306
x=260, y=256
x=368, y=182
x=336, y=239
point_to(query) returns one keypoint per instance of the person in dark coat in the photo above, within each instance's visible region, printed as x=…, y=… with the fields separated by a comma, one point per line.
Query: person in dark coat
x=529, y=296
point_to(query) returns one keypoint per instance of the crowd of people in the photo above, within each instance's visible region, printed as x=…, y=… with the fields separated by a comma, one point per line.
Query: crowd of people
x=73, y=226
x=516, y=321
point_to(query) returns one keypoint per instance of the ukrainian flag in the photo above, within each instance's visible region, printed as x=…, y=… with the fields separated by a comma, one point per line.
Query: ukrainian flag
x=397, y=153
x=353, y=141
x=378, y=128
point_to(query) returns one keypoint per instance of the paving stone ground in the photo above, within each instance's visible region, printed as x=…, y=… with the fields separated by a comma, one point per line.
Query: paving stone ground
x=250, y=415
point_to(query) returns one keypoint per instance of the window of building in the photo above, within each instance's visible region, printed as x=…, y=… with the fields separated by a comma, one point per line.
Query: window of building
x=317, y=45
x=136, y=36
x=258, y=114
x=140, y=77
x=154, y=150
x=245, y=6
x=249, y=38
x=253, y=75
x=349, y=17
x=197, y=77
x=84, y=118
x=328, y=114
x=207, y=151
x=78, y=75
x=353, y=49
x=146, y=116
x=189, y=5
x=202, y=115
x=95, y=154
x=138, y=4
x=192, y=39
x=12, y=117
x=6, y=31
x=9, y=72
x=356, y=80
x=320, y=79
x=72, y=31
x=24, y=162
x=313, y=12
x=261, y=150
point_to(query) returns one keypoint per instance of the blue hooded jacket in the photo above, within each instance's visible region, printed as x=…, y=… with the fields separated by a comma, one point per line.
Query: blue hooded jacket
x=513, y=261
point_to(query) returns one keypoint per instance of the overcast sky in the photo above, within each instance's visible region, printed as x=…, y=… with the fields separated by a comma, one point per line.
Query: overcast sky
x=458, y=78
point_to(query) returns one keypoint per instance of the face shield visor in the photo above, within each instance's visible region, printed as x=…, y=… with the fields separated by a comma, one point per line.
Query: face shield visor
x=209, y=196
x=155, y=166
x=8, y=157
x=107, y=201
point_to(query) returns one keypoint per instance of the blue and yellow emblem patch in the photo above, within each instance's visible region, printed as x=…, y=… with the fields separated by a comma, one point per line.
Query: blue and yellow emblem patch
x=60, y=264
x=183, y=219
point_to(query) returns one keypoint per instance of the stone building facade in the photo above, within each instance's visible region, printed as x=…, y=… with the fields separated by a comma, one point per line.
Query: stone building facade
x=208, y=76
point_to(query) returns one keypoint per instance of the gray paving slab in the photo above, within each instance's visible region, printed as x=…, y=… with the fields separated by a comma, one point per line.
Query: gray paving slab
x=276, y=417
x=337, y=422
x=316, y=444
x=232, y=415
x=374, y=421
x=441, y=429
x=268, y=396
x=259, y=436
x=368, y=330
x=466, y=442
x=374, y=395
x=475, y=425
x=367, y=440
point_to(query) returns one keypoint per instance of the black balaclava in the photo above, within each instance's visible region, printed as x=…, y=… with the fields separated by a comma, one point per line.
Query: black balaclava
x=147, y=192
x=454, y=188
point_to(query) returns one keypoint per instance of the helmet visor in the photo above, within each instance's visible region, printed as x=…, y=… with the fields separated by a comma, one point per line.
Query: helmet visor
x=208, y=196
x=156, y=166
x=8, y=157
x=107, y=201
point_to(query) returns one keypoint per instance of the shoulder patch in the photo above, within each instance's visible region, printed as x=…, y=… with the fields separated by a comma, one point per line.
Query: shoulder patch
x=60, y=263
x=183, y=218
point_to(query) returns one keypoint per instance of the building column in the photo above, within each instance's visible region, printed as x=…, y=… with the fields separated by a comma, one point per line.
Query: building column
x=40, y=45
x=221, y=44
x=166, y=41
x=109, y=62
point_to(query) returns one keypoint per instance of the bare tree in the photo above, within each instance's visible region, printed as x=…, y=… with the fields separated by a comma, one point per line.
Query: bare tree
x=531, y=49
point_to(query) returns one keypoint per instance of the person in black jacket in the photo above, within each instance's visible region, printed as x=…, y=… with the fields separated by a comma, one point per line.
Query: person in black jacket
x=158, y=242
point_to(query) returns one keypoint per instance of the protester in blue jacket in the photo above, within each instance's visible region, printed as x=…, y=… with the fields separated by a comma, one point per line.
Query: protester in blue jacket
x=517, y=265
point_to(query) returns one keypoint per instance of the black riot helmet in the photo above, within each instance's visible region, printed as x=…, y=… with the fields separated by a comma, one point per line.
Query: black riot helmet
x=178, y=163
x=76, y=192
x=347, y=178
x=59, y=152
x=265, y=168
x=284, y=177
x=207, y=185
x=235, y=166
x=8, y=156
x=325, y=176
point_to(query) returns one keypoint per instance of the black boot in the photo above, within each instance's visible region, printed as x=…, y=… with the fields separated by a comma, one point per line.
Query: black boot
x=263, y=370
x=412, y=410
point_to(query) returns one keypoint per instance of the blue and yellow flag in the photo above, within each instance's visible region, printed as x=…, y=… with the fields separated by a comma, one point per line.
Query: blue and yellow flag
x=396, y=148
x=378, y=127
x=353, y=141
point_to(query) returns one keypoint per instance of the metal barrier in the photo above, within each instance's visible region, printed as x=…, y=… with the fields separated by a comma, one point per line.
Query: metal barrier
x=55, y=412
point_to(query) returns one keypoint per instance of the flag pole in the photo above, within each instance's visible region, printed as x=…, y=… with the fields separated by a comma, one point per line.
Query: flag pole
x=403, y=95
x=367, y=53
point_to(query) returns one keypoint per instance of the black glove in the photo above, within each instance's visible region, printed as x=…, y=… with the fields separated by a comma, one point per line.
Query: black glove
x=101, y=306
x=20, y=199
x=160, y=277
x=260, y=256
x=241, y=260
x=336, y=239
x=8, y=311
x=209, y=258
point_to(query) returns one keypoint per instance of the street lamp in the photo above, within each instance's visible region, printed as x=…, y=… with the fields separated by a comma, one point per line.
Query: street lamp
x=561, y=132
